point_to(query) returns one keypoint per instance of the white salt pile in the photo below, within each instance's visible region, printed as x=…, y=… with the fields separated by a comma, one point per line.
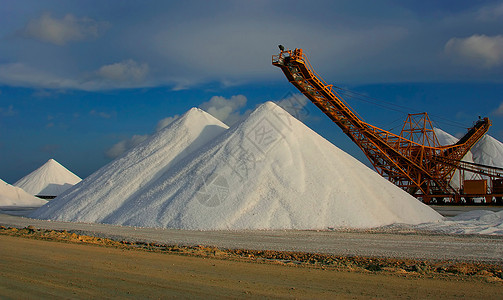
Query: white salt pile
x=12, y=196
x=268, y=172
x=488, y=151
x=119, y=182
x=49, y=180
x=472, y=222
x=446, y=139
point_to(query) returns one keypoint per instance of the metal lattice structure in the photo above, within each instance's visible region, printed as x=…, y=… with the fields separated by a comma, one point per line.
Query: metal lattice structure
x=412, y=160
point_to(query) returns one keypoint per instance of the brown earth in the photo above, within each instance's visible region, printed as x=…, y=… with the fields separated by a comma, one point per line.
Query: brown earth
x=32, y=264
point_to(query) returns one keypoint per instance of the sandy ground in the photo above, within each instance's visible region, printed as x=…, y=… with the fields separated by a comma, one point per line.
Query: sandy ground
x=46, y=269
x=34, y=268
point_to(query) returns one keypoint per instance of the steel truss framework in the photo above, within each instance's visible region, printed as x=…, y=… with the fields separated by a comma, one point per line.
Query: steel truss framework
x=412, y=160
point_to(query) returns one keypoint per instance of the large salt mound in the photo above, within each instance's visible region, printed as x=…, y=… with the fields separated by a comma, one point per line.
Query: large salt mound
x=51, y=179
x=446, y=139
x=120, y=181
x=267, y=172
x=13, y=196
x=488, y=151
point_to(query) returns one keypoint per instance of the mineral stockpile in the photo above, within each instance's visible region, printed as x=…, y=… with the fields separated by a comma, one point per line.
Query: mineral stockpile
x=13, y=196
x=51, y=179
x=269, y=171
x=119, y=182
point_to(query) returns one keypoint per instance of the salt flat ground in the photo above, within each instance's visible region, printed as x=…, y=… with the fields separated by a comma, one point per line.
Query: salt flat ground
x=391, y=242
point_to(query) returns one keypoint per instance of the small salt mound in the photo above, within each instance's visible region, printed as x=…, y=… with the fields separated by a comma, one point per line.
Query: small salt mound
x=479, y=215
x=119, y=182
x=267, y=172
x=472, y=222
x=13, y=196
x=51, y=179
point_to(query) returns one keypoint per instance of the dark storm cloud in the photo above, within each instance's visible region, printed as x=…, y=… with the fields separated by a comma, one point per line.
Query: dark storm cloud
x=107, y=45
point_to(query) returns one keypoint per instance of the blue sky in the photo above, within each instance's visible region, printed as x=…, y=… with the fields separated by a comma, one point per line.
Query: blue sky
x=83, y=81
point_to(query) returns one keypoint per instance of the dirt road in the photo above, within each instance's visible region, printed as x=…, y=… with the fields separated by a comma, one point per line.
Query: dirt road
x=45, y=269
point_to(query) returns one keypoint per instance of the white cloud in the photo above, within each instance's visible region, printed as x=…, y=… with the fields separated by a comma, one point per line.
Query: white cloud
x=478, y=50
x=124, y=145
x=189, y=47
x=165, y=122
x=61, y=31
x=128, y=74
x=226, y=110
x=295, y=105
x=498, y=111
x=20, y=74
x=491, y=12
x=128, y=70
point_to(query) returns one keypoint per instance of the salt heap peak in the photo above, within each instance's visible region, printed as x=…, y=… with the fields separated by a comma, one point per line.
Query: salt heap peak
x=268, y=172
x=488, y=151
x=51, y=179
x=446, y=139
x=120, y=181
x=13, y=196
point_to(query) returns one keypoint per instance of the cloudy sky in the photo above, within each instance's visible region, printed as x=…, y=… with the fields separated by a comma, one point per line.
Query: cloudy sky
x=83, y=81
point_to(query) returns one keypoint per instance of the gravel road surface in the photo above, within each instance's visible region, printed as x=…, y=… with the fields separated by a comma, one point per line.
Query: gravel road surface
x=416, y=245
